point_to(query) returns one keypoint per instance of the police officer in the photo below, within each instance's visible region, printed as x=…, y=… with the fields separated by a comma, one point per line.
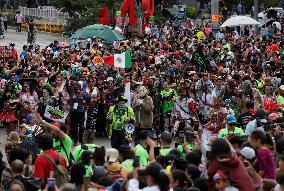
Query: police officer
x=119, y=115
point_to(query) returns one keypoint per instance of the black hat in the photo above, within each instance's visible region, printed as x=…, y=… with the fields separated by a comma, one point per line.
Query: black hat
x=124, y=148
x=144, y=135
x=121, y=98
x=260, y=113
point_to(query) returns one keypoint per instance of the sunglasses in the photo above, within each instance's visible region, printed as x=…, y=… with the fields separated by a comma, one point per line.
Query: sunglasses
x=231, y=124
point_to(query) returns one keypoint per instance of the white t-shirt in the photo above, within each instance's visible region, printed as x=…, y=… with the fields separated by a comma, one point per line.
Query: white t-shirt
x=19, y=18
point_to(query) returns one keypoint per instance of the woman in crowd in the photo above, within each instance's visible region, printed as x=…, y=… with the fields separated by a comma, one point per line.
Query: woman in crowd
x=263, y=143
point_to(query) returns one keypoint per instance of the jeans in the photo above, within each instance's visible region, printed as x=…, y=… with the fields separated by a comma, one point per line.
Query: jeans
x=77, y=125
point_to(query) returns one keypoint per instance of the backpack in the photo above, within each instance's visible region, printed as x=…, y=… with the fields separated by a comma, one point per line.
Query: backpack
x=60, y=173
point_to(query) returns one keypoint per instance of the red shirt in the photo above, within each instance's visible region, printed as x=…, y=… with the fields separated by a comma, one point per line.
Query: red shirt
x=43, y=166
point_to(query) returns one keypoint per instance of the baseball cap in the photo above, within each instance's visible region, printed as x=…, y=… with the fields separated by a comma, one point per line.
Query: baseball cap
x=248, y=153
x=111, y=155
x=231, y=119
x=166, y=136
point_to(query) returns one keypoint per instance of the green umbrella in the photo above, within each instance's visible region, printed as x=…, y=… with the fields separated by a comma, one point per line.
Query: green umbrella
x=97, y=30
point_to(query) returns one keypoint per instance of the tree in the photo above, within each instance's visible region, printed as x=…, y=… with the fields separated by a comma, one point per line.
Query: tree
x=73, y=7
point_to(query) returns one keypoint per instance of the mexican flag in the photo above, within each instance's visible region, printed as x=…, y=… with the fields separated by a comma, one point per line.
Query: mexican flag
x=122, y=60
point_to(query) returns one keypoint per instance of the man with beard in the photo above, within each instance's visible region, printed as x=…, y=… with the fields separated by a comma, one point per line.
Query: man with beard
x=62, y=143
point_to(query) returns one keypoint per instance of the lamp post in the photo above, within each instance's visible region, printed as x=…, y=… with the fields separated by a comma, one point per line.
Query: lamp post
x=215, y=16
x=255, y=14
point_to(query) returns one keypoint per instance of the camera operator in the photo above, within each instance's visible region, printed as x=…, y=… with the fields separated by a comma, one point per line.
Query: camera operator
x=188, y=141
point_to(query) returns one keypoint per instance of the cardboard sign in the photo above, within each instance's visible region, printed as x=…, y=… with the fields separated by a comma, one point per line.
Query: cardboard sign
x=5, y=51
x=55, y=114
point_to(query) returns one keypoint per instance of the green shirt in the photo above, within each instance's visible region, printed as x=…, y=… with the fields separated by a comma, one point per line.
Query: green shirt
x=128, y=164
x=79, y=150
x=280, y=100
x=67, y=143
x=167, y=106
x=143, y=154
x=181, y=150
x=165, y=151
x=224, y=132
x=89, y=170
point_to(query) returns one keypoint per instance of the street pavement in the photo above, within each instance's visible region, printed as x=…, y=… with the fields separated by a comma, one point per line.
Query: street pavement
x=20, y=38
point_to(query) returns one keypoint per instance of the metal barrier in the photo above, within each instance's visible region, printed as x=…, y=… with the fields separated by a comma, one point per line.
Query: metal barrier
x=49, y=16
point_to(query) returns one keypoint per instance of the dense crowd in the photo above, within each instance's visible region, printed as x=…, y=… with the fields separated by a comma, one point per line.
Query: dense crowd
x=174, y=122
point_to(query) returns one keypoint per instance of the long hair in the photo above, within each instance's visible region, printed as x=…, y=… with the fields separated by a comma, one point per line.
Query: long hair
x=159, y=176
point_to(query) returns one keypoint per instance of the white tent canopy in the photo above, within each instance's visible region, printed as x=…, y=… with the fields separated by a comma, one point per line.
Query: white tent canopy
x=239, y=21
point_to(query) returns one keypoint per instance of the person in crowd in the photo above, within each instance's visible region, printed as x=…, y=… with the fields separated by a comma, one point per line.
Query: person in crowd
x=77, y=111
x=19, y=18
x=126, y=157
x=119, y=115
x=43, y=163
x=88, y=144
x=258, y=123
x=155, y=176
x=223, y=181
x=62, y=143
x=179, y=180
x=143, y=109
x=231, y=128
x=77, y=173
x=167, y=95
x=114, y=169
x=17, y=169
x=166, y=141
x=141, y=149
x=265, y=160
x=222, y=158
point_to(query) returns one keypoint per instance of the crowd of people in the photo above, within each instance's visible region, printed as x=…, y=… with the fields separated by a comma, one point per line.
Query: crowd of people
x=174, y=122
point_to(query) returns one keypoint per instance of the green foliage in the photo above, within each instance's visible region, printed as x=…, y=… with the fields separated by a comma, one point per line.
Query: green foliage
x=73, y=7
x=191, y=12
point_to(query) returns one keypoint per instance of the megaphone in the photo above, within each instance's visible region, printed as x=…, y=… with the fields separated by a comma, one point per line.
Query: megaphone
x=129, y=128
